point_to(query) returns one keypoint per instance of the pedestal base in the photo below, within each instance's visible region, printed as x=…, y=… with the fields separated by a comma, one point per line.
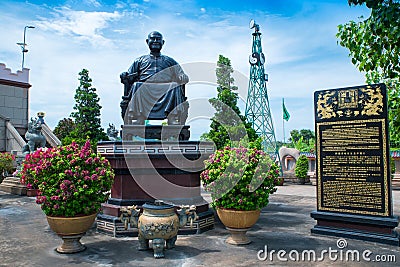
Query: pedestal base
x=238, y=236
x=361, y=227
x=71, y=244
x=160, y=132
x=149, y=170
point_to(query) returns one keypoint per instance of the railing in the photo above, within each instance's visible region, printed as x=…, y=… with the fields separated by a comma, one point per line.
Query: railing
x=51, y=138
x=14, y=139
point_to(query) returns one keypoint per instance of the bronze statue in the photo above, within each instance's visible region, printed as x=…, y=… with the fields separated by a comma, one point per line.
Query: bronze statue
x=154, y=87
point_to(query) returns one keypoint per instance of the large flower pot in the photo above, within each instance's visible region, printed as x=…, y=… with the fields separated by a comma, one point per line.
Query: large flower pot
x=238, y=222
x=71, y=230
x=31, y=192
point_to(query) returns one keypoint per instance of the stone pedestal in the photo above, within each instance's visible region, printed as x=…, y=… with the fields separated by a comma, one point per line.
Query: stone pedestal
x=149, y=170
x=159, y=132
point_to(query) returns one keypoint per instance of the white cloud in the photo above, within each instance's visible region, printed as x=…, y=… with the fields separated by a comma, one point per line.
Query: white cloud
x=93, y=3
x=80, y=24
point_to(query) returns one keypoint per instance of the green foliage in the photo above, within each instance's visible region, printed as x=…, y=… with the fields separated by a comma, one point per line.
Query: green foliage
x=306, y=134
x=392, y=168
x=301, y=168
x=240, y=178
x=72, y=180
x=87, y=113
x=64, y=127
x=228, y=125
x=6, y=164
x=303, y=140
x=374, y=46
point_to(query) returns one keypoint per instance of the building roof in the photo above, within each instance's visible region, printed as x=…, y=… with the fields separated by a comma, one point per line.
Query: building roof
x=21, y=76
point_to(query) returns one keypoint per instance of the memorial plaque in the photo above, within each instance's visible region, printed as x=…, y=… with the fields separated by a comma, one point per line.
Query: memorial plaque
x=352, y=151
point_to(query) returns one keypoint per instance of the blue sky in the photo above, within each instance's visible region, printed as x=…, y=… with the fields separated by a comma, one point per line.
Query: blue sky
x=298, y=39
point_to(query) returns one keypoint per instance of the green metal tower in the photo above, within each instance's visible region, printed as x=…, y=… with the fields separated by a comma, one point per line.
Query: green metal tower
x=257, y=104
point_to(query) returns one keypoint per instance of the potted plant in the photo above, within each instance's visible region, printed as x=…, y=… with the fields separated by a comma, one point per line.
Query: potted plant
x=301, y=169
x=72, y=183
x=6, y=164
x=240, y=181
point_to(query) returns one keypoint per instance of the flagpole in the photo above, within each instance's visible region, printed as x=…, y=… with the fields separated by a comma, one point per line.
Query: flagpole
x=283, y=121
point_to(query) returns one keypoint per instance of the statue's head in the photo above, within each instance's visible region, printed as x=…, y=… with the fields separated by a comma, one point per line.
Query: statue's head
x=35, y=126
x=155, y=41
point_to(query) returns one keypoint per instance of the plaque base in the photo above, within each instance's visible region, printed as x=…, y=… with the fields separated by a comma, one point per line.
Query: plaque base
x=361, y=227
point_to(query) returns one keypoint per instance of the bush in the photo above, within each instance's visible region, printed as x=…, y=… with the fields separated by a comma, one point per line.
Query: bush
x=6, y=164
x=301, y=168
x=72, y=180
x=239, y=178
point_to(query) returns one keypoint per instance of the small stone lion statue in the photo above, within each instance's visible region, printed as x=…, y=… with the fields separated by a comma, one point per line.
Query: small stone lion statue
x=34, y=137
x=112, y=133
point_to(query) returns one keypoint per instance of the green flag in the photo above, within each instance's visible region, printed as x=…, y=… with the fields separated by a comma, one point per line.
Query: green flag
x=286, y=115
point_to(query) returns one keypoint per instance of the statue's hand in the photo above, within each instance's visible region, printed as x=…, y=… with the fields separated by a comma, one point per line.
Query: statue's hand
x=124, y=77
x=183, y=78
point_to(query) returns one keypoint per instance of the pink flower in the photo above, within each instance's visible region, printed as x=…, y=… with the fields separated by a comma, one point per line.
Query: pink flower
x=42, y=169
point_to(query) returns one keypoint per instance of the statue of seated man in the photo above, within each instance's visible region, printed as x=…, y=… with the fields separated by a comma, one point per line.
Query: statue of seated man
x=154, y=87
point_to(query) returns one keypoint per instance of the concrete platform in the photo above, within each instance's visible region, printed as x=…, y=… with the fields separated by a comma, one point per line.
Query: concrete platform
x=26, y=240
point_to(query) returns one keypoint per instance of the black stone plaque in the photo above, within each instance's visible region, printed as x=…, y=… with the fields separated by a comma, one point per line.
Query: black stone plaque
x=353, y=175
x=352, y=150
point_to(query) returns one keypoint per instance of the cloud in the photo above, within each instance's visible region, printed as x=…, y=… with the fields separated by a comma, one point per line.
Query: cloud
x=93, y=3
x=84, y=25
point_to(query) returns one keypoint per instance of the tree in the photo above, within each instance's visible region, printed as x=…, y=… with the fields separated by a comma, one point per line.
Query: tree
x=374, y=46
x=301, y=168
x=87, y=113
x=228, y=125
x=303, y=140
x=63, y=128
x=306, y=134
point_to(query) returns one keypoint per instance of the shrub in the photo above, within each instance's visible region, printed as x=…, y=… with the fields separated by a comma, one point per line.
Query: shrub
x=301, y=168
x=240, y=178
x=71, y=180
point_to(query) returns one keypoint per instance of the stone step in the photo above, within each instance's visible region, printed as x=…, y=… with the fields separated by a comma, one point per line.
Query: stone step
x=13, y=186
x=12, y=180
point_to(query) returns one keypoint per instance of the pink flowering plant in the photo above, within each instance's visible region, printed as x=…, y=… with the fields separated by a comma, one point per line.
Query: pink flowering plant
x=71, y=180
x=240, y=178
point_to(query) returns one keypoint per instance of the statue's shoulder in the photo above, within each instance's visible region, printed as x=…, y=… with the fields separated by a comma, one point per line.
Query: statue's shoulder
x=170, y=60
x=142, y=58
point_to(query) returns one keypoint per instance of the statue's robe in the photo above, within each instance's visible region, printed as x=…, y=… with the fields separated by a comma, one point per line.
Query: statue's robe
x=158, y=90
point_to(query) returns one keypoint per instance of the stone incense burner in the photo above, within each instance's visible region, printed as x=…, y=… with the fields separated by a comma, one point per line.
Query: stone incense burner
x=159, y=222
